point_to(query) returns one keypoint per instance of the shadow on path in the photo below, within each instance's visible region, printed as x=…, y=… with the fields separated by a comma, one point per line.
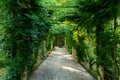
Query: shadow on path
x=60, y=65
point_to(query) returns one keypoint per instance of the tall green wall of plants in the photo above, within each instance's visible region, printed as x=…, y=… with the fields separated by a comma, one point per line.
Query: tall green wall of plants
x=96, y=39
x=25, y=25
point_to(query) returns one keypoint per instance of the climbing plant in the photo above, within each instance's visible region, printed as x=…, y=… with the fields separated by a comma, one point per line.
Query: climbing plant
x=89, y=29
x=26, y=25
x=94, y=15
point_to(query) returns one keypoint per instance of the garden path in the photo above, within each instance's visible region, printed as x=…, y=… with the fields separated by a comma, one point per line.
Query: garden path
x=60, y=65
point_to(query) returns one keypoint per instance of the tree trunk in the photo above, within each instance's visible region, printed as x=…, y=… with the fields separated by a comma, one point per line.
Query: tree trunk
x=65, y=44
x=99, y=29
x=52, y=45
x=24, y=74
x=116, y=68
x=42, y=50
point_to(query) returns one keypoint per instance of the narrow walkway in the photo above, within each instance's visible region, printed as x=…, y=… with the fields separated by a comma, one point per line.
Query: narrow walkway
x=60, y=66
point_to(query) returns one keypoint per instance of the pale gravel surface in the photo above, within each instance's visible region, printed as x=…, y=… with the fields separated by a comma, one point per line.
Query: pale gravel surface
x=60, y=65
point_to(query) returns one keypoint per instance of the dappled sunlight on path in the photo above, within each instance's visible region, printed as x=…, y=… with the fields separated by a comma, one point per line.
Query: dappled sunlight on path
x=60, y=65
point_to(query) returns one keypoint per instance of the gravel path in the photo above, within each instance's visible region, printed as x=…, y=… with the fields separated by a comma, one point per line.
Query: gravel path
x=60, y=65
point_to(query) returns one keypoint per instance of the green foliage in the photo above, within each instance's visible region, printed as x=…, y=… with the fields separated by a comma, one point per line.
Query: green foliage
x=89, y=29
x=95, y=14
x=60, y=29
x=25, y=24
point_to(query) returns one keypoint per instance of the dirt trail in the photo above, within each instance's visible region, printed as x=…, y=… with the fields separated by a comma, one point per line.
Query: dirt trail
x=60, y=65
